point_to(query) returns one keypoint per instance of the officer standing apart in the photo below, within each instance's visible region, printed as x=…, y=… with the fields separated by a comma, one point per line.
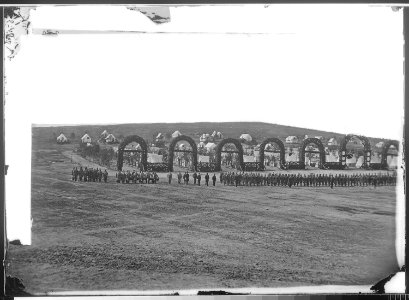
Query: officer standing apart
x=207, y=177
x=199, y=177
x=170, y=177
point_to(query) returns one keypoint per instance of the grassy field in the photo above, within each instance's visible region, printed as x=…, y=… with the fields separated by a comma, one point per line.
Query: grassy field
x=96, y=236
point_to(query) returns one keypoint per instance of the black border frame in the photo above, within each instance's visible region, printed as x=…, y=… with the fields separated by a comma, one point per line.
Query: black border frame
x=195, y=2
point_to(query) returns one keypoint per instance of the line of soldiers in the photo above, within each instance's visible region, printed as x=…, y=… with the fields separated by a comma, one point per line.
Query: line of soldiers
x=89, y=174
x=197, y=177
x=272, y=179
x=135, y=177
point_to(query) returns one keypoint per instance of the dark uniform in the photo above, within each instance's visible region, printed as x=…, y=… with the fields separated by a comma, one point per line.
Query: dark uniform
x=207, y=177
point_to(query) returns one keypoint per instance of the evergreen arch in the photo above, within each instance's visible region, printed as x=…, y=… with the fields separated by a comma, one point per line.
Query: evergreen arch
x=320, y=146
x=219, y=150
x=280, y=145
x=172, y=150
x=127, y=141
x=387, y=145
x=343, y=149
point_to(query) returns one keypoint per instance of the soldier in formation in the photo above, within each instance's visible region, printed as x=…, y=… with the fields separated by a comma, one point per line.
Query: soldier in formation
x=313, y=180
x=89, y=174
x=135, y=177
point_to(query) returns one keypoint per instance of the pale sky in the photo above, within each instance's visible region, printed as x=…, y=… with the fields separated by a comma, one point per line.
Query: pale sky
x=298, y=65
x=328, y=67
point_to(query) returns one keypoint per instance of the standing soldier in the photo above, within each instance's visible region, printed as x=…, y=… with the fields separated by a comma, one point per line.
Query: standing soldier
x=100, y=175
x=332, y=180
x=170, y=177
x=105, y=175
x=81, y=173
x=207, y=177
x=199, y=177
x=221, y=177
x=214, y=179
x=180, y=177
x=194, y=178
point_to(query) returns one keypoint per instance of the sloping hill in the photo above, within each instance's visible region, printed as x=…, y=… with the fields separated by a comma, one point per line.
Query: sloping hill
x=257, y=130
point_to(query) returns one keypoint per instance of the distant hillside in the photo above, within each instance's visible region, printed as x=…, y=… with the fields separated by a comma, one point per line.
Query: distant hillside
x=257, y=130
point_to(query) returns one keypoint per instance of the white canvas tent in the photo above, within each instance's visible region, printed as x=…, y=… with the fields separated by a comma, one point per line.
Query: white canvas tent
x=155, y=158
x=110, y=138
x=291, y=139
x=86, y=138
x=331, y=157
x=332, y=142
x=204, y=159
x=246, y=137
x=159, y=136
x=248, y=158
x=217, y=135
x=359, y=162
x=61, y=139
x=176, y=134
x=210, y=146
x=375, y=158
x=392, y=161
x=293, y=156
x=104, y=134
x=380, y=145
x=133, y=146
x=204, y=137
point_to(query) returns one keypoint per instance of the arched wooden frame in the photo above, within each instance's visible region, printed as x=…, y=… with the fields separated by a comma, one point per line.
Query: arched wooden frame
x=219, y=151
x=343, y=149
x=320, y=146
x=172, y=150
x=387, y=145
x=280, y=145
x=127, y=141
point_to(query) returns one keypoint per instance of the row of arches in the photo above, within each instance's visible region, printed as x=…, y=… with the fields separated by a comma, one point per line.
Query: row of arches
x=240, y=152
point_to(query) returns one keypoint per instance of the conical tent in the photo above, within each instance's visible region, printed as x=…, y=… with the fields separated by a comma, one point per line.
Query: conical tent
x=62, y=138
x=176, y=134
x=204, y=137
x=110, y=138
x=104, y=134
x=332, y=142
x=380, y=145
x=210, y=146
x=86, y=138
x=159, y=136
x=291, y=139
x=246, y=137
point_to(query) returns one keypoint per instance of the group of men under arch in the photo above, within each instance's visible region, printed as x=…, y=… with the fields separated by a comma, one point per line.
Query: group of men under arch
x=258, y=166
